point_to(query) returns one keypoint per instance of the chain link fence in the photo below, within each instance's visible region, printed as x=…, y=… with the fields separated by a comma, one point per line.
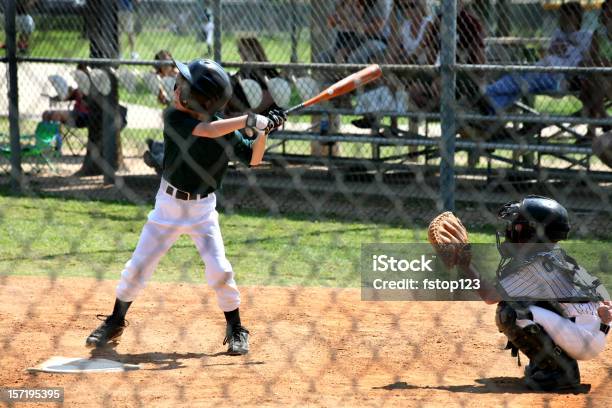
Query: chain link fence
x=481, y=102
x=531, y=98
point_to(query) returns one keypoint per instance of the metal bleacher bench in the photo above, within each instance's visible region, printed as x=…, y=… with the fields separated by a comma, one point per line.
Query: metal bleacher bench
x=572, y=157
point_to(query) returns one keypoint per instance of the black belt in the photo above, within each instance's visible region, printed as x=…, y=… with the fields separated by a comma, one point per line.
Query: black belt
x=605, y=328
x=183, y=195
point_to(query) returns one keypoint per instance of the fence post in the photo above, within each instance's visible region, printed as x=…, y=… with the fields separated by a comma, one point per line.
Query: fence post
x=294, y=31
x=111, y=127
x=13, y=94
x=447, y=103
x=217, y=30
x=103, y=154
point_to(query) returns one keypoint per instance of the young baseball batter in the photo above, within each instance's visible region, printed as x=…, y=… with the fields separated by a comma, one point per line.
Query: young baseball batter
x=198, y=147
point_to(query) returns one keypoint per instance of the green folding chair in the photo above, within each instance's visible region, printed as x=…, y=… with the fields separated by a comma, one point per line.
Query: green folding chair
x=44, y=148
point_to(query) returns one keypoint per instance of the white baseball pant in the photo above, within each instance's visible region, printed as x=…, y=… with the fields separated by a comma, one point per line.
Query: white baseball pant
x=582, y=340
x=170, y=219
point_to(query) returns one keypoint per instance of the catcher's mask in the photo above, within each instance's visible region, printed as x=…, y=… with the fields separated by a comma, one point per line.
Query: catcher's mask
x=203, y=85
x=534, y=219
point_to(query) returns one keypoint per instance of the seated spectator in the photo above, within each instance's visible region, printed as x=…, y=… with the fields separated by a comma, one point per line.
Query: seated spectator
x=569, y=46
x=363, y=39
x=78, y=116
x=374, y=30
x=362, y=30
x=347, y=39
x=596, y=88
x=425, y=92
x=410, y=24
x=163, y=70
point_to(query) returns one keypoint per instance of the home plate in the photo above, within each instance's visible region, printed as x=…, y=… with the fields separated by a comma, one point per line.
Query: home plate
x=74, y=365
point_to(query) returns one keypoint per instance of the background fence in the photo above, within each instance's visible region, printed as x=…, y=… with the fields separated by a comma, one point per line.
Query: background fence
x=481, y=102
x=540, y=134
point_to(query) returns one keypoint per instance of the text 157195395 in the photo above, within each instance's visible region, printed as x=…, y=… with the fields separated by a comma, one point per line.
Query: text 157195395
x=32, y=394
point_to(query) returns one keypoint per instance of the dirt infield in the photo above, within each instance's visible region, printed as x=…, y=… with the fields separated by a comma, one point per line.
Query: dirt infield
x=309, y=346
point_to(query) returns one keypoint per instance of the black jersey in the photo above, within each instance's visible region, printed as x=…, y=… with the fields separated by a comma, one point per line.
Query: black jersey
x=197, y=164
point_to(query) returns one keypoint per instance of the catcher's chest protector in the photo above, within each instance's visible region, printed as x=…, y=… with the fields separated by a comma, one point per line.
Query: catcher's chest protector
x=550, y=277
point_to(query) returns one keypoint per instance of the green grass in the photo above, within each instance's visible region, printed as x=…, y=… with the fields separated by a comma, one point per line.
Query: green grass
x=68, y=238
x=557, y=106
x=70, y=44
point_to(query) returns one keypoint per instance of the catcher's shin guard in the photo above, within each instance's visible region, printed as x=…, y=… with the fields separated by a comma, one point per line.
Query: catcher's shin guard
x=565, y=377
x=550, y=367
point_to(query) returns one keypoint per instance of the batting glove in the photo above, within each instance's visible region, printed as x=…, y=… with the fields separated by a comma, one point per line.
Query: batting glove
x=277, y=118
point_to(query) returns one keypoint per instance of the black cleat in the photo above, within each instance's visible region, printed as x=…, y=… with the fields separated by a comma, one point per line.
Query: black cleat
x=559, y=379
x=108, y=332
x=237, y=339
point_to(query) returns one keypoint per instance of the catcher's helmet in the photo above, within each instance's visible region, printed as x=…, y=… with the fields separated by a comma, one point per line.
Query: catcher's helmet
x=542, y=219
x=209, y=85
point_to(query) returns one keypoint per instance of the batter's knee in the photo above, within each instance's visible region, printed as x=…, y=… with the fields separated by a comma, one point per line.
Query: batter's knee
x=218, y=278
x=218, y=271
x=224, y=285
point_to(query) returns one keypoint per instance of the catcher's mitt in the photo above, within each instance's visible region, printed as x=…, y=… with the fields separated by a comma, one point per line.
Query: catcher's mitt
x=449, y=238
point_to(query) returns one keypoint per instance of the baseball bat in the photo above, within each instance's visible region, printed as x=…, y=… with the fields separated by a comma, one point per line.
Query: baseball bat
x=345, y=85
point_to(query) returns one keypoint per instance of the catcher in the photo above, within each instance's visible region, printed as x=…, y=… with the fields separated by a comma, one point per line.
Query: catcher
x=198, y=146
x=548, y=306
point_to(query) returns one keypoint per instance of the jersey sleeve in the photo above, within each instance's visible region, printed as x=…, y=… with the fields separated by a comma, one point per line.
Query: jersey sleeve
x=241, y=148
x=176, y=122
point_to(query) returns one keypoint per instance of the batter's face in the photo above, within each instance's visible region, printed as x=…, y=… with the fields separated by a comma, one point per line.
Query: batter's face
x=178, y=86
x=181, y=88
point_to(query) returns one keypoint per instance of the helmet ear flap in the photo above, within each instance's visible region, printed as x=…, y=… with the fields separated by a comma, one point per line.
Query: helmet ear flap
x=199, y=102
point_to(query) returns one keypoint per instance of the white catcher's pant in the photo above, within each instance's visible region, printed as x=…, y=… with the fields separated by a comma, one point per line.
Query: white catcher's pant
x=170, y=219
x=581, y=340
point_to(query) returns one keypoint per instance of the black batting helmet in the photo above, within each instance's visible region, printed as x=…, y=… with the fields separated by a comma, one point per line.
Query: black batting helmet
x=209, y=85
x=542, y=219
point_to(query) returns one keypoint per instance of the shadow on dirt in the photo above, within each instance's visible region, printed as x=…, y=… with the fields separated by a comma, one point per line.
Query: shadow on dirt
x=493, y=385
x=163, y=361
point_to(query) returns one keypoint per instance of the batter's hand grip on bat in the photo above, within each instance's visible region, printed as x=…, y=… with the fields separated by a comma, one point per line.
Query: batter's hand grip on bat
x=345, y=85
